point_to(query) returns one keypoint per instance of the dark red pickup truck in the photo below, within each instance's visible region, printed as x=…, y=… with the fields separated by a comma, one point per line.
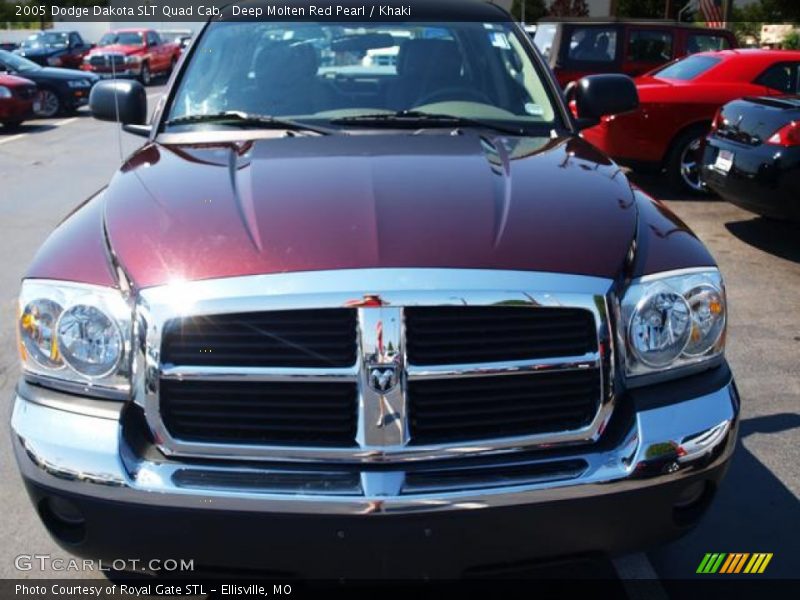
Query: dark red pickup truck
x=138, y=53
x=576, y=48
x=337, y=319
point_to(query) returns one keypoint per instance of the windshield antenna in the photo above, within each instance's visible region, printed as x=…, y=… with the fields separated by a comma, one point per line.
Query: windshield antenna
x=116, y=107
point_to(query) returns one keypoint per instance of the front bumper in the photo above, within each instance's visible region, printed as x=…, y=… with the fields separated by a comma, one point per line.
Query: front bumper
x=134, y=504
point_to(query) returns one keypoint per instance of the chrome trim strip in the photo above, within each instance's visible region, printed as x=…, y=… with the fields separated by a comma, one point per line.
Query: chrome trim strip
x=191, y=373
x=87, y=455
x=519, y=367
x=372, y=292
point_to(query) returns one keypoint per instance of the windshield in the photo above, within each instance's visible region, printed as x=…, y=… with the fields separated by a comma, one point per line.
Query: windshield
x=46, y=39
x=17, y=63
x=688, y=68
x=332, y=72
x=125, y=38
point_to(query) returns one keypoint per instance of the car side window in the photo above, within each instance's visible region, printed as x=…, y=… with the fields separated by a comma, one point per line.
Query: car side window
x=74, y=40
x=782, y=77
x=593, y=44
x=706, y=42
x=152, y=38
x=649, y=45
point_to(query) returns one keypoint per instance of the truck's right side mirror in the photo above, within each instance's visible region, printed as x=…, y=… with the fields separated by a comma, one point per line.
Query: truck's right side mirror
x=604, y=95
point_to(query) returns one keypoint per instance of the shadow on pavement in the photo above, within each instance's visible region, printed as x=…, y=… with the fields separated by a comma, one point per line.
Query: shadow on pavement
x=753, y=512
x=778, y=238
x=655, y=185
x=26, y=127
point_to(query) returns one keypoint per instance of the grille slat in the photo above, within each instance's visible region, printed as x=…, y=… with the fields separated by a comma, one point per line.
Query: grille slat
x=472, y=334
x=275, y=413
x=472, y=408
x=311, y=338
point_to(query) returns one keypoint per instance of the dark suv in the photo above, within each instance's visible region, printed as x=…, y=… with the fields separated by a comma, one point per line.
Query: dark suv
x=578, y=48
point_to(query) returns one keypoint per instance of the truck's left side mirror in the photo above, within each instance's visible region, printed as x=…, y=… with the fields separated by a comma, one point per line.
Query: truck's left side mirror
x=599, y=96
x=120, y=100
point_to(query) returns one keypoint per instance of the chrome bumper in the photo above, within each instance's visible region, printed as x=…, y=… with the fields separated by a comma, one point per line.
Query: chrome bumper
x=84, y=453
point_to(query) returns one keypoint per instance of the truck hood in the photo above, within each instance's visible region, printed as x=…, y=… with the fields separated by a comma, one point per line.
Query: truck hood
x=117, y=49
x=187, y=212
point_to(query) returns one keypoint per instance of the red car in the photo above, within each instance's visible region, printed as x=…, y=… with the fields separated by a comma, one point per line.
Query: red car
x=678, y=103
x=137, y=53
x=17, y=96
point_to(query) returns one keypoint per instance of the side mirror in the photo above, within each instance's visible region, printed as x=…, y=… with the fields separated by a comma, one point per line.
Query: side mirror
x=599, y=96
x=119, y=100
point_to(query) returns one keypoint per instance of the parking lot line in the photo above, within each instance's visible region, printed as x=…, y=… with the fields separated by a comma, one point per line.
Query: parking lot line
x=5, y=140
x=638, y=577
x=66, y=121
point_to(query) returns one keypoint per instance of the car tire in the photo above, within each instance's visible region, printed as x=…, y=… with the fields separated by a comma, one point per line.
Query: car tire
x=146, y=76
x=683, y=162
x=50, y=104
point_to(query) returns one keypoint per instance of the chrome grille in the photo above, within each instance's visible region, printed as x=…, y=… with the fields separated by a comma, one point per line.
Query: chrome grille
x=237, y=373
x=107, y=60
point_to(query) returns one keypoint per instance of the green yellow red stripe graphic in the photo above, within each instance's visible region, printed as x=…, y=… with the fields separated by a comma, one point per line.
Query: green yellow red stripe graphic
x=734, y=562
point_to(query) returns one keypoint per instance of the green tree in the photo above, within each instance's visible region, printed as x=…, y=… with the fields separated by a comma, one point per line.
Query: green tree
x=792, y=41
x=534, y=10
x=568, y=8
x=647, y=9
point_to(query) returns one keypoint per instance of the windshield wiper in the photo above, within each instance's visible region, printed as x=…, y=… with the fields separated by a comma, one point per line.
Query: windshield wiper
x=244, y=119
x=417, y=118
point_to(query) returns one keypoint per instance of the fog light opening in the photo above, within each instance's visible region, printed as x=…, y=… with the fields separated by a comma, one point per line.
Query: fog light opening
x=63, y=519
x=692, y=502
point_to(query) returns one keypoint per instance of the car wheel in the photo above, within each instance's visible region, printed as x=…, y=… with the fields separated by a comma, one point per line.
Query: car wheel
x=145, y=76
x=683, y=164
x=49, y=104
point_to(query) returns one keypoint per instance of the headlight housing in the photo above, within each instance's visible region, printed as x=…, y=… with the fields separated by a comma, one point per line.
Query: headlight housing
x=673, y=321
x=5, y=92
x=78, y=83
x=75, y=337
x=135, y=58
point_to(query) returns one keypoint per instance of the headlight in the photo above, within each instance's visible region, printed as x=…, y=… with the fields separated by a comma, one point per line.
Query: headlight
x=673, y=320
x=5, y=92
x=75, y=337
x=78, y=83
x=133, y=59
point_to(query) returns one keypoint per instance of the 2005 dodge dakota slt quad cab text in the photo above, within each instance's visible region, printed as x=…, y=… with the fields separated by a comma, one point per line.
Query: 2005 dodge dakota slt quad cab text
x=341, y=319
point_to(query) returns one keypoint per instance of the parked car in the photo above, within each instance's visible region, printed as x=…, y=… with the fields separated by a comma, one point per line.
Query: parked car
x=137, y=53
x=60, y=90
x=17, y=97
x=575, y=48
x=752, y=155
x=55, y=49
x=347, y=320
x=678, y=103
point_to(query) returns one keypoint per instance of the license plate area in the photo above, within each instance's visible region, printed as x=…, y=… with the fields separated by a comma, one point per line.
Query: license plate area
x=724, y=162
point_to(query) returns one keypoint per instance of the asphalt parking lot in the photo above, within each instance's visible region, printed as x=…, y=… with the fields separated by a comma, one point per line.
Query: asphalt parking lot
x=48, y=167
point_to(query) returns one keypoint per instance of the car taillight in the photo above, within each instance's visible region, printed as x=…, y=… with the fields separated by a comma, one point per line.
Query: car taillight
x=718, y=120
x=787, y=136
